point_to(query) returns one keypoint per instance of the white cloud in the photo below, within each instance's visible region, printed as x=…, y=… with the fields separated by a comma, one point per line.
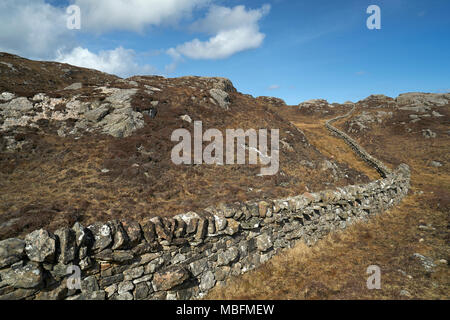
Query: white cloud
x=134, y=15
x=33, y=28
x=274, y=87
x=36, y=29
x=221, y=19
x=234, y=29
x=120, y=61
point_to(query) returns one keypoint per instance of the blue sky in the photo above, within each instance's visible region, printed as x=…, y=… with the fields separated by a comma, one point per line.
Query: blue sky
x=295, y=50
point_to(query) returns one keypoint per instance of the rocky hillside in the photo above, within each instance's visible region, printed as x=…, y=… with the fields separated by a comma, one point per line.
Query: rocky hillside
x=409, y=242
x=80, y=145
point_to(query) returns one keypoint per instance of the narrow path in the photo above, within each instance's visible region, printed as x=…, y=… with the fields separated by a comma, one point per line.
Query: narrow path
x=334, y=147
x=359, y=150
x=336, y=267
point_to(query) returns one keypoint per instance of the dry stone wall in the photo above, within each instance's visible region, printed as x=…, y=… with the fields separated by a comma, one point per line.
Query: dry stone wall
x=377, y=164
x=186, y=256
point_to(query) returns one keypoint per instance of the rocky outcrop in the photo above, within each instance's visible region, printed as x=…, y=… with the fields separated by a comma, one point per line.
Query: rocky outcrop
x=221, y=97
x=365, y=120
x=107, y=109
x=271, y=101
x=315, y=103
x=418, y=101
x=114, y=116
x=321, y=107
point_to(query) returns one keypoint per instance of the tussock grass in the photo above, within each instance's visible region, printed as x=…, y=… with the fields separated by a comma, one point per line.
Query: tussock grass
x=335, y=268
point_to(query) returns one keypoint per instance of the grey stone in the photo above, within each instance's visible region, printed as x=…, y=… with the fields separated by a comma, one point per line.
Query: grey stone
x=19, y=105
x=435, y=164
x=228, y=256
x=186, y=118
x=11, y=251
x=222, y=273
x=142, y=291
x=180, y=229
x=97, y=295
x=22, y=276
x=59, y=293
x=264, y=242
x=221, y=98
x=114, y=256
x=40, y=246
x=202, y=229
x=81, y=237
x=250, y=224
x=405, y=293
x=102, y=236
x=428, y=134
x=296, y=234
x=211, y=226
x=146, y=278
x=171, y=296
x=148, y=257
x=133, y=231
x=198, y=266
x=89, y=284
x=121, y=122
x=74, y=86
x=66, y=245
x=236, y=269
x=426, y=262
x=97, y=114
x=437, y=114
x=111, y=290
x=178, y=258
x=124, y=287
x=154, y=265
x=134, y=273
x=191, y=225
x=59, y=271
x=417, y=99
x=120, y=237
x=7, y=96
x=120, y=96
x=85, y=263
x=149, y=231
x=145, y=248
x=108, y=281
x=170, y=278
x=207, y=281
x=18, y=294
x=232, y=228
x=221, y=223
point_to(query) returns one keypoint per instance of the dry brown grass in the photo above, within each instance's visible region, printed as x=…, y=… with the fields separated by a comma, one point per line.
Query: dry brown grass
x=334, y=148
x=53, y=181
x=32, y=77
x=336, y=267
